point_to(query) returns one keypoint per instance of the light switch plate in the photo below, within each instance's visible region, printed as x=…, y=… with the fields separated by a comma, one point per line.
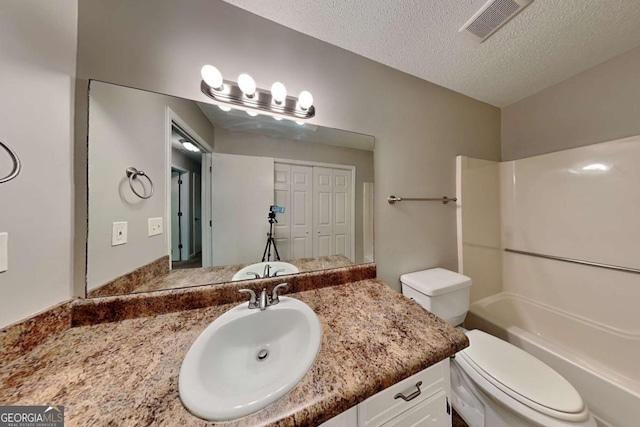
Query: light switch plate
x=155, y=226
x=4, y=252
x=119, y=233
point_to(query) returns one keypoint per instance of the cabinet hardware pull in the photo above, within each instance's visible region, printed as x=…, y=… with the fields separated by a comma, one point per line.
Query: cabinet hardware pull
x=412, y=395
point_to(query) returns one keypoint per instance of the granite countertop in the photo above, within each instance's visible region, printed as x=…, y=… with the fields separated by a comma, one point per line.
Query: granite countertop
x=180, y=278
x=126, y=373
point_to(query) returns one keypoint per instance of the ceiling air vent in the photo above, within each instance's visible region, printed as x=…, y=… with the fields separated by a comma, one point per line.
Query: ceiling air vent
x=493, y=15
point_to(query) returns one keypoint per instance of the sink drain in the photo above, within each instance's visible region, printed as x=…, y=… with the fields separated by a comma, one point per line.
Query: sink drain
x=262, y=355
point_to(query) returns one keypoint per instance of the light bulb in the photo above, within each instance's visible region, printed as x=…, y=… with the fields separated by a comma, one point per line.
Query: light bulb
x=247, y=84
x=277, y=118
x=189, y=146
x=252, y=113
x=301, y=123
x=305, y=100
x=212, y=76
x=278, y=92
x=224, y=108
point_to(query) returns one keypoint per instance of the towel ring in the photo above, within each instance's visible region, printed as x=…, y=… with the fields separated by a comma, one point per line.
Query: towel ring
x=17, y=166
x=133, y=173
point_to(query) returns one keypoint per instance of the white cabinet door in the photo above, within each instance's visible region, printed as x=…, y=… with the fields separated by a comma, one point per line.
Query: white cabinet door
x=348, y=418
x=322, y=211
x=294, y=191
x=301, y=212
x=384, y=406
x=342, y=212
x=428, y=403
x=282, y=198
x=430, y=413
x=332, y=212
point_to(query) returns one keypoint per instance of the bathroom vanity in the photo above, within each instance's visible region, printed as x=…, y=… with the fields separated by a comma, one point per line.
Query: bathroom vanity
x=422, y=399
x=119, y=368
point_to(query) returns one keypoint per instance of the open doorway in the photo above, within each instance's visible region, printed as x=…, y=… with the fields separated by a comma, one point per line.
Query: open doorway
x=186, y=199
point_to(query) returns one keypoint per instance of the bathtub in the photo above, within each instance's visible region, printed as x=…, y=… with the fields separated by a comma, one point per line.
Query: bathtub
x=602, y=363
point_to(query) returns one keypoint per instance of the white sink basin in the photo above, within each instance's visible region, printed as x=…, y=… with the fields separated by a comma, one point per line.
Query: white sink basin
x=247, y=359
x=276, y=268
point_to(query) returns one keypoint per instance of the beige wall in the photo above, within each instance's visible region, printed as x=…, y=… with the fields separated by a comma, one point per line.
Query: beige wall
x=128, y=128
x=597, y=105
x=251, y=144
x=419, y=127
x=37, y=65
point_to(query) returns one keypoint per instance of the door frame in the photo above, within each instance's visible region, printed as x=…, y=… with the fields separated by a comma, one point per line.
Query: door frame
x=350, y=168
x=193, y=209
x=205, y=187
x=183, y=226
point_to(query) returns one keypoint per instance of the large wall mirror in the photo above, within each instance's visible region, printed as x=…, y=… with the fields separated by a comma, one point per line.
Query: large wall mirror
x=182, y=193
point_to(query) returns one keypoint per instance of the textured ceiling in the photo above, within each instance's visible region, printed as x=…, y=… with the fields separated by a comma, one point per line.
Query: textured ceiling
x=549, y=41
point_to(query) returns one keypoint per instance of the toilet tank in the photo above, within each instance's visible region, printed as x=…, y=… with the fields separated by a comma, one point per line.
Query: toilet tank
x=442, y=292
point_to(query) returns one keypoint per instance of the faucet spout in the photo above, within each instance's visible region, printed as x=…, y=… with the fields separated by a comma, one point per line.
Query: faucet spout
x=263, y=300
x=267, y=271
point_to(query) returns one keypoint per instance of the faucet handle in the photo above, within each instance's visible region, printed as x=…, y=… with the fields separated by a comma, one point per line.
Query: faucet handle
x=253, y=301
x=275, y=273
x=274, y=293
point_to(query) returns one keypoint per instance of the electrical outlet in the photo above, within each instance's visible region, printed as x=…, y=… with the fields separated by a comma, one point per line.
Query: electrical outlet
x=155, y=226
x=119, y=233
x=4, y=252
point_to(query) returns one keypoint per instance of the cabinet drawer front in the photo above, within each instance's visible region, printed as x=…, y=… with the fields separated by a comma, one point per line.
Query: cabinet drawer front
x=430, y=413
x=383, y=406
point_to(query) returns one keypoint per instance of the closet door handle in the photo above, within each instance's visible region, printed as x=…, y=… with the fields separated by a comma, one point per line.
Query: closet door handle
x=412, y=395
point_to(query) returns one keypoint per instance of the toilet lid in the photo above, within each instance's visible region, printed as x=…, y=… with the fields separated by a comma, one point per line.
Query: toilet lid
x=520, y=375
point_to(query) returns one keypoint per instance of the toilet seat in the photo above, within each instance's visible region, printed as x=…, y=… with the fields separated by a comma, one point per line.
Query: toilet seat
x=506, y=373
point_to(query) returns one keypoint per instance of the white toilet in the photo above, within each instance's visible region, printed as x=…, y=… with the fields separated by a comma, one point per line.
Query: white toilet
x=494, y=383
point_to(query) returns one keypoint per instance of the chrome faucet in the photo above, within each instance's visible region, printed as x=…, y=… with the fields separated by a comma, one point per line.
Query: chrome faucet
x=267, y=269
x=265, y=300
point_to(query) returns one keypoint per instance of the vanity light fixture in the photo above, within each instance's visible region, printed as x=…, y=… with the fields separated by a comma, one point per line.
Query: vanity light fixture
x=245, y=94
x=252, y=113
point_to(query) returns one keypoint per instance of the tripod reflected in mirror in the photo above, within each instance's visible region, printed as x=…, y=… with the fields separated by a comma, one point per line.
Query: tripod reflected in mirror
x=271, y=242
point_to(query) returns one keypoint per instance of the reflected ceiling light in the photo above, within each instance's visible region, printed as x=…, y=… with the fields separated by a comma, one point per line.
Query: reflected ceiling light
x=596, y=167
x=247, y=84
x=189, y=146
x=252, y=113
x=277, y=118
x=245, y=93
x=224, y=108
x=593, y=168
x=278, y=92
x=212, y=76
x=300, y=123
